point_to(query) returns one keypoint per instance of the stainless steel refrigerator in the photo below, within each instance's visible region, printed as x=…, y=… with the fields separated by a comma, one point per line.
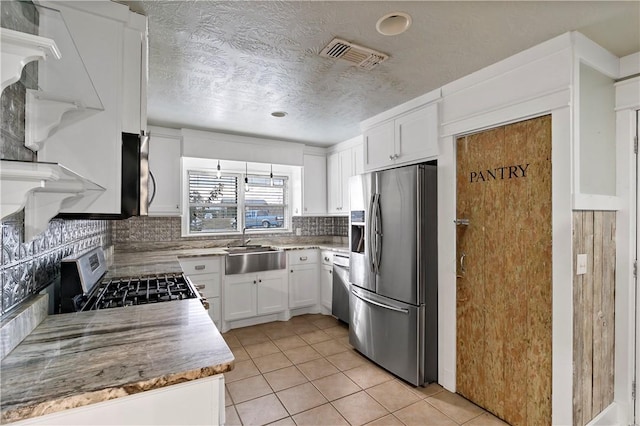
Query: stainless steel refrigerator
x=393, y=272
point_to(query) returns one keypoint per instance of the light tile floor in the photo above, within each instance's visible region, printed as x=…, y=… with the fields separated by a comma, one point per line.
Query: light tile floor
x=304, y=372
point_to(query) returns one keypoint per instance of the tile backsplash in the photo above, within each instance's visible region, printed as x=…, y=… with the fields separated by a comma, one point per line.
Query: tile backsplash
x=28, y=267
x=168, y=229
x=162, y=233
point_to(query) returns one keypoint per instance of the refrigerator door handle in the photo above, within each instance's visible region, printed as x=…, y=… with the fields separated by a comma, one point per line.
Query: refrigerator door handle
x=378, y=253
x=372, y=261
x=382, y=305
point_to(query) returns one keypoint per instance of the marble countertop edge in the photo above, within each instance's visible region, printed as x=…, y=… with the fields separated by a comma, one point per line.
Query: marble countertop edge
x=51, y=406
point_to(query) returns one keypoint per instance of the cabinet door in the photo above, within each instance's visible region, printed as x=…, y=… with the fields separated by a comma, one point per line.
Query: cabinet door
x=303, y=285
x=326, y=285
x=133, y=117
x=164, y=163
x=357, y=159
x=378, y=146
x=334, y=189
x=346, y=171
x=314, y=185
x=240, y=297
x=272, y=292
x=416, y=135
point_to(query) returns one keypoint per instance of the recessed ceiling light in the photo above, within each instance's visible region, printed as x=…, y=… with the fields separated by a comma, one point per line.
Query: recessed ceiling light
x=279, y=114
x=393, y=23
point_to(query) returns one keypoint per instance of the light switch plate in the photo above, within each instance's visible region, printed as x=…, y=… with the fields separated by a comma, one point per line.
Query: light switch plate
x=581, y=264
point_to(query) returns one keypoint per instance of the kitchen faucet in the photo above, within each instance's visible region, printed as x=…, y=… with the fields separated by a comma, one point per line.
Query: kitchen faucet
x=244, y=243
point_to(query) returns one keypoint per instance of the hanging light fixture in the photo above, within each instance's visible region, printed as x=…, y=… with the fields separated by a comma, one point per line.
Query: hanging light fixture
x=246, y=178
x=271, y=175
x=219, y=173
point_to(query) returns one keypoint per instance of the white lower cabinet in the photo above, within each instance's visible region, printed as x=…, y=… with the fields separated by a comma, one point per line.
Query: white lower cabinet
x=249, y=295
x=205, y=273
x=303, y=278
x=326, y=279
x=203, y=397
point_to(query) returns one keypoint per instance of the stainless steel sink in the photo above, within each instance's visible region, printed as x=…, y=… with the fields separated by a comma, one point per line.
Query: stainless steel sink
x=244, y=260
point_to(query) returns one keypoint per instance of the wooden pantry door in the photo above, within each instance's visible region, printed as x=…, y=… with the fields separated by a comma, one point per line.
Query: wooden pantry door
x=504, y=271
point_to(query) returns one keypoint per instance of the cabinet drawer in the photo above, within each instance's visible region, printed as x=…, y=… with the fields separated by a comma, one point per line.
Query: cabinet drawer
x=327, y=257
x=302, y=257
x=200, y=265
x=211, y=283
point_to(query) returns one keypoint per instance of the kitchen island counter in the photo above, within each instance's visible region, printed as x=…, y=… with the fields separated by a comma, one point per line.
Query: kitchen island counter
x=77, y=359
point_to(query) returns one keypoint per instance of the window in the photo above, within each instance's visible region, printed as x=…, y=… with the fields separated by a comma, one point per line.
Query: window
x=215, y=203
x=264, y=204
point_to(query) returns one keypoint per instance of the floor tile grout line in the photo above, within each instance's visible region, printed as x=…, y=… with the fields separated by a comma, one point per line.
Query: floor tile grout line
x=421, y=396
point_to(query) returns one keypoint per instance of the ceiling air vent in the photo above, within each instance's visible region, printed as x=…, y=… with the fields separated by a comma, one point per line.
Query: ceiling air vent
x=362, y=57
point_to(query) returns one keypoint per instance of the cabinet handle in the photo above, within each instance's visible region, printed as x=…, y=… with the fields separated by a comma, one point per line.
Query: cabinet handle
x=326, y=258
x=303, y=258
x=200, y=287
x=391, y=157
x=395, y=156
x=200, y=267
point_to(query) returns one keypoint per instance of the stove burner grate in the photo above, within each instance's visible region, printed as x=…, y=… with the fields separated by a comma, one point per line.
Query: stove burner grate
x=116, y=293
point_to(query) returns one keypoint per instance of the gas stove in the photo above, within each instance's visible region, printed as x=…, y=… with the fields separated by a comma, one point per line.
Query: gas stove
x=84, y=288
x=116, y=293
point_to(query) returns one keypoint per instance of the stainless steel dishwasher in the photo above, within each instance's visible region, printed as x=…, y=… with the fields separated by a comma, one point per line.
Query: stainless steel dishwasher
x=340, y=296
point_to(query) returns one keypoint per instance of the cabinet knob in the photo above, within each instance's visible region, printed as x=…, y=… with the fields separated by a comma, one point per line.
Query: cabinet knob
x=259, y=281
x=303, y=258
x=326, y=258
x=331, y=272
x=200, y=267
x=395, y=156
x=391, y=157
x=255, y=282
x=292, y=271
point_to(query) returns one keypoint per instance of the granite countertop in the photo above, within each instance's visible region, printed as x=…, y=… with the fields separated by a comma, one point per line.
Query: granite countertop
x=146, y=263
x=77, y=359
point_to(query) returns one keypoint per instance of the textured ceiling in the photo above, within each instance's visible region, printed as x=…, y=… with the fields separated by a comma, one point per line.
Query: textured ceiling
x=225, y=66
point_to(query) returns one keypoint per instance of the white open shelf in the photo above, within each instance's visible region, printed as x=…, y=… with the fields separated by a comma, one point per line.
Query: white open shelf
x=18, y=49
x=42, y=189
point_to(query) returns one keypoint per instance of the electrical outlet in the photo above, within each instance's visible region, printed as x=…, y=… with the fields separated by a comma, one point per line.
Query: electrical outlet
x=581, y=264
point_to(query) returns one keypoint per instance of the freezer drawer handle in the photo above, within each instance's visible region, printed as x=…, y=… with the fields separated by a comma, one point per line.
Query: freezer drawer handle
x=382, y=305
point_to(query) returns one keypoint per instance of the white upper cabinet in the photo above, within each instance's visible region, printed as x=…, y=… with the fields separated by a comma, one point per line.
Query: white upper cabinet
x=164, y=164
x=379, y=146
x=314, y=175
x=408, y=138
x=344, y=161
x=340, y=167
x=111, y=43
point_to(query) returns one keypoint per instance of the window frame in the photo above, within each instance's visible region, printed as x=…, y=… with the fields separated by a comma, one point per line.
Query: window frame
x=241, y=204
